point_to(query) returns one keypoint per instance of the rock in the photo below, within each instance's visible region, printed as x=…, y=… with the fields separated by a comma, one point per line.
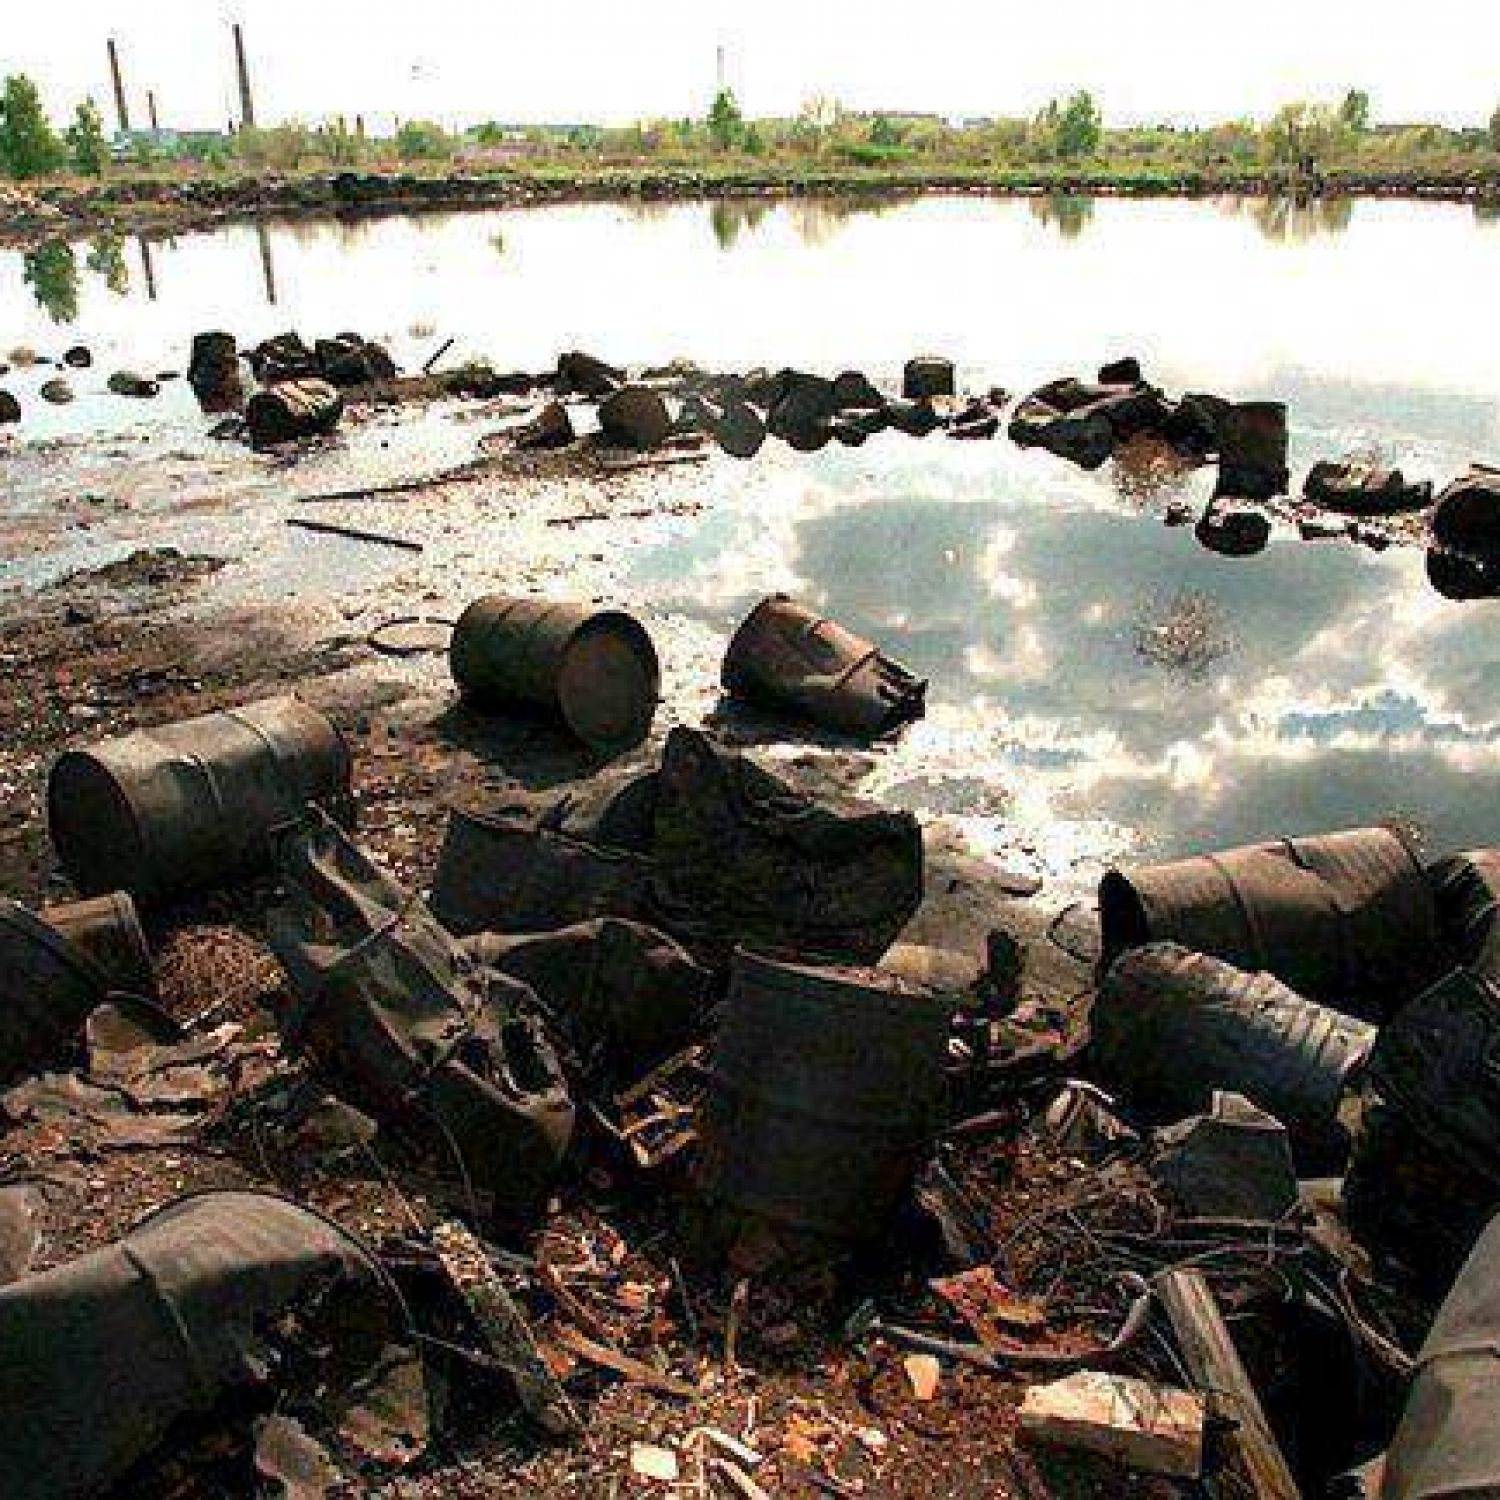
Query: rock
x=739, y=430
x=128, y=383
x=1154, y=1428
x=635, y=416
x=588, y=376
x=853, y=389
x=57, y=392
x=1234, y=530
x=1178, y=513
x=914, y=418
x=292, y=409
x=551, y=427
x=926, y=376
x=1125, y=371
x=80, y=357
x=23, y=357
x=923, y=1374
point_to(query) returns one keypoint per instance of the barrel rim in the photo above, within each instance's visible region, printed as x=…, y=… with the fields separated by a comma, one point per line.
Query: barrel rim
x=76, y=851
x=824, y=985
x=729, y=677
x=13, y=914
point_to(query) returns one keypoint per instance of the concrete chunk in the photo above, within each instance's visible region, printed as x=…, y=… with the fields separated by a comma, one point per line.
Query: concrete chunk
x=1156, y=1429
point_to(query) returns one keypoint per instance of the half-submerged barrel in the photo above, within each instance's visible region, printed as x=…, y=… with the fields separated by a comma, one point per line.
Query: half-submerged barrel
x=826, y=1090
x=1466, y=888
x=193, y=805
x=48, y=986
x=108, y=930
x=1170, y=1028
x=1253, y=450
x=786, y=657
x=292, y=409
x=1346, y=919
x=596, y=670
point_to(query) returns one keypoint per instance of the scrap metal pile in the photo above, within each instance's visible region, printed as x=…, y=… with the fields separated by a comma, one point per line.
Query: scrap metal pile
x=667, y=1102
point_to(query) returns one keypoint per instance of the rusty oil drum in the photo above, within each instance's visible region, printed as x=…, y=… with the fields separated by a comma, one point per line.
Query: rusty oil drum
x=48, y=986
x=108, y=930
x=193, y=805
x=786, y=657
x=826, y=1091
x=1346, y=919
x=596, y=670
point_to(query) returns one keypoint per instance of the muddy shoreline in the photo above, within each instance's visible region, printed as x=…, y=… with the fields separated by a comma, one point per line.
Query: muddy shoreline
x=161, y=206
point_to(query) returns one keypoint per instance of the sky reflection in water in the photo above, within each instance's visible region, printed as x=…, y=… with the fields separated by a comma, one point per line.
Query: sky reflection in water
x=1328, y=685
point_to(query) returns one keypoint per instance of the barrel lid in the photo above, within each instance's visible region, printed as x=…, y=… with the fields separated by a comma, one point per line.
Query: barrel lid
x=609, y=682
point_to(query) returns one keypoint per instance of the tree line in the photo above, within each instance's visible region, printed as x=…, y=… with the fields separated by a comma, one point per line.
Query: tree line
x=1303, y=138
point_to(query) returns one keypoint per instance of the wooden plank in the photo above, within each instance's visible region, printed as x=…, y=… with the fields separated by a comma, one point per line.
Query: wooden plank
x=1208, y=1351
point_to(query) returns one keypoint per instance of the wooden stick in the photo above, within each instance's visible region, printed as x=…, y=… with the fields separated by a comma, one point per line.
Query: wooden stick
x=1215, y=1365
x=505, y=1330
x=379, y=538
x=442, y=350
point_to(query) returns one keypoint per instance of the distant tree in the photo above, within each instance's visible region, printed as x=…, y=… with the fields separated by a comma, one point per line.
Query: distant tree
x=885, y=133
x=1495, y=128
x=86, y=144
x=1080, y=126
x=726, y=125
x=1301, y=136
x=1069, y=128
x=753, y=143
x=423, y=140
x=29, y=146
x=1354, y=112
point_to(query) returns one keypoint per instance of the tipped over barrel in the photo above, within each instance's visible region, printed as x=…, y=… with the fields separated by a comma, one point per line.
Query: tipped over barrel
x=1346, y=919
x=194, y=805
x=785, y=657
x=595, y=670
x=1170, y=1028
x=48, y=986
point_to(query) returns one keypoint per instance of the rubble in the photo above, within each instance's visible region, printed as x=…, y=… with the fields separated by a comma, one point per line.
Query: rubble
x=1141, y=1426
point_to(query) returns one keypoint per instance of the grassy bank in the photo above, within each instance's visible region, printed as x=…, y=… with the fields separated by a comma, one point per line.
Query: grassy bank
x=147, y=201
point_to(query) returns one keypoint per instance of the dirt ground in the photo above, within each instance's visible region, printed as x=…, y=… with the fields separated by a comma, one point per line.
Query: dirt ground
x=162, y=635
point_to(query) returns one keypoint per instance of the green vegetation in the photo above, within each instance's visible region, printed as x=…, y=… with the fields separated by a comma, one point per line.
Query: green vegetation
x=51, y=271
x=29, y=146
x=1066, y=147
x=87, y=147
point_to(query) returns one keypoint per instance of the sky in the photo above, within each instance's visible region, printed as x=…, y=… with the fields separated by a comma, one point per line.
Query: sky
x=614, y=61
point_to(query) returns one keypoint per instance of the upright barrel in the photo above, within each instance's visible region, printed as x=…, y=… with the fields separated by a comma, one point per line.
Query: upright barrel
x=108, y=930
x=193, y=805
x=1346, y=919
x=48, y=986
x=1170, y=1028
x=826, y=1090
x=595, y=670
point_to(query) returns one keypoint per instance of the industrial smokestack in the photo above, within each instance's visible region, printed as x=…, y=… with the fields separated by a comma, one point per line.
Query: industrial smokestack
x=247, y=99
x=122, y=106
x=151, y=109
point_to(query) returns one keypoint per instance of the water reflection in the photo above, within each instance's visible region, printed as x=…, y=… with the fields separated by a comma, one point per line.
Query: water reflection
x=1095, y=671
x=732, y=217
x=267, y=263
x=106, y=260
x=51, y=271
x=1068, y=213
x=1292, y=220
x=819, y=221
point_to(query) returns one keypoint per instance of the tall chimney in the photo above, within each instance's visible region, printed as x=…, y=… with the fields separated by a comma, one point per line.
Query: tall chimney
x=151, y=109
x=247, y=99
x=122, y=106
